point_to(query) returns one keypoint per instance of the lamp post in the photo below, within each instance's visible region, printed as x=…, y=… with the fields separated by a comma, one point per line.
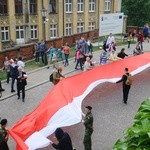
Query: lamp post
x=44, y=55
x=44, y=14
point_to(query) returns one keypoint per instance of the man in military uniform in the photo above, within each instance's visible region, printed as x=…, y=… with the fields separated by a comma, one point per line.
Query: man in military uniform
x=88, y=123
x=3, y=135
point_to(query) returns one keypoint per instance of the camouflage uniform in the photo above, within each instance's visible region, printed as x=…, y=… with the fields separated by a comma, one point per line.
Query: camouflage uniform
x=3, y=141
x=88, y=122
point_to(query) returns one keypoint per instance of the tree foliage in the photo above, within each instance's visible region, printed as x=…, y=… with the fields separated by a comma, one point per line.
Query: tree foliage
x=137, y=137
x=137, y=11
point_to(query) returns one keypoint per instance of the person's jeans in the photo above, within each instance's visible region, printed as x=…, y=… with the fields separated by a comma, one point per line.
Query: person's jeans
x=42, y=56
x=66, y=59
x=45, y=59
x=37, y=55
x=140, y=44
x=8, y=76
x=23, y=92
x=129, y=42
x=78, y=62
x=0, y=85
x=12, y=84
x=125, y=93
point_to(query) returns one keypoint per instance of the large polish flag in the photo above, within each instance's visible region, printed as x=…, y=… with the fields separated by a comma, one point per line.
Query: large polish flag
x=62, y=106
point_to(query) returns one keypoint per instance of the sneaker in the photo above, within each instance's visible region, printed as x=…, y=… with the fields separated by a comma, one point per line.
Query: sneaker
x=13, y=91
x=2, y=90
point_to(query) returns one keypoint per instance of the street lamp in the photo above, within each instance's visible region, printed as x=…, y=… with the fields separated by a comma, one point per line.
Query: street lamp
x=44, y=14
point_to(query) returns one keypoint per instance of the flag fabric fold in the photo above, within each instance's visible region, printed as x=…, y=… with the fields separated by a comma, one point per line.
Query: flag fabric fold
x=62, y=105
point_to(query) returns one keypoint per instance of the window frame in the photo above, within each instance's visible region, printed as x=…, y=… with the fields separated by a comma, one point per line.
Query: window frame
x=18, y=7
x=33, y=7
x=4, y=7
x=68, y=29
x=92, y=5
x=80, y=27
x=92, y=26
x=35, y=31
x=6, y=33
x=68, y=6
x=53, y=31
x=107, y=5
x=80, y=6
x=53, y=12
x=19, y=30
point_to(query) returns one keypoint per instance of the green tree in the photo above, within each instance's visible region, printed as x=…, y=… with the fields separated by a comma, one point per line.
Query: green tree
x=137, y=11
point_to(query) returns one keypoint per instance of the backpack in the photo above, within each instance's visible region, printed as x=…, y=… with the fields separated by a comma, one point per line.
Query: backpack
x=51, y=78
x=129, y=80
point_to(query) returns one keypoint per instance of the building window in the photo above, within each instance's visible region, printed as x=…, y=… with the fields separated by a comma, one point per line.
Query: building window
x=91, y=25
x=107, y=5
x=19, y=32
x=68, y=29
x=80, y=5
x=80, y=27
x=53, y=31
x=5, y=33
x=34, y=32
x=52, y=6
x=18, y=7
x=33, y=6
x=3, y=7
x=68, y=5
x=91, y=5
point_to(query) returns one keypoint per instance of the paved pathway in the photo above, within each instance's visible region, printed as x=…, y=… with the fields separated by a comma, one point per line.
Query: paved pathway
x=13, y=109
x=41, y=76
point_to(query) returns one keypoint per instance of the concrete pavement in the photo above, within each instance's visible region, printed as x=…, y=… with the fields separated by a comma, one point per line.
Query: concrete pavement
x=38, y=86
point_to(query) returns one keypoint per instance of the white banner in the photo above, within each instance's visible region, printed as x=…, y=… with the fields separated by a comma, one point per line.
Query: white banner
x=111, y=23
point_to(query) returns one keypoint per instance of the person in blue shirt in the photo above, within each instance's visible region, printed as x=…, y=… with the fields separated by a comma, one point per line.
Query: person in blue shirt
x=43, y=52
x=59, y=54
x=146, y=33
x=52, y=55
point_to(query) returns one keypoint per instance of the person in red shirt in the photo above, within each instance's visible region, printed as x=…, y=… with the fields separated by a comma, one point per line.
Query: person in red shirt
x=66, y=53
x=140, y=40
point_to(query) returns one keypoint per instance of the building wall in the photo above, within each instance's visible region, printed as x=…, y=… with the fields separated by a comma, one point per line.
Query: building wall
x=27, y=51
x=59, y=18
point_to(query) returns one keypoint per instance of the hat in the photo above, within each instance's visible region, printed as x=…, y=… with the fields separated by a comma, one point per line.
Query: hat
x=100, y=48
x=88, y=107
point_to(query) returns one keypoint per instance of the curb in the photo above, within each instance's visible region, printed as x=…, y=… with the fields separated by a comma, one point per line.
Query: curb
x=31, y=87
x=40, y=83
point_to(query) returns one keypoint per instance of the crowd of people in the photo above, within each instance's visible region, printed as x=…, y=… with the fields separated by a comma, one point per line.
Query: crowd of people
x=51, y=54
x=14, y=69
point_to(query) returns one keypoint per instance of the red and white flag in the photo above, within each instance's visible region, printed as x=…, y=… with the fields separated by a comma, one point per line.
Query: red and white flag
x=62, y=106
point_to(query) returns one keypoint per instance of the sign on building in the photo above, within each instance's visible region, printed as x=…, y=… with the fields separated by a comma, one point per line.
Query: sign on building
x=111, y=23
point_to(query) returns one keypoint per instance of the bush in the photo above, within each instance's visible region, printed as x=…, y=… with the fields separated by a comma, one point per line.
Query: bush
x=137, y=137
